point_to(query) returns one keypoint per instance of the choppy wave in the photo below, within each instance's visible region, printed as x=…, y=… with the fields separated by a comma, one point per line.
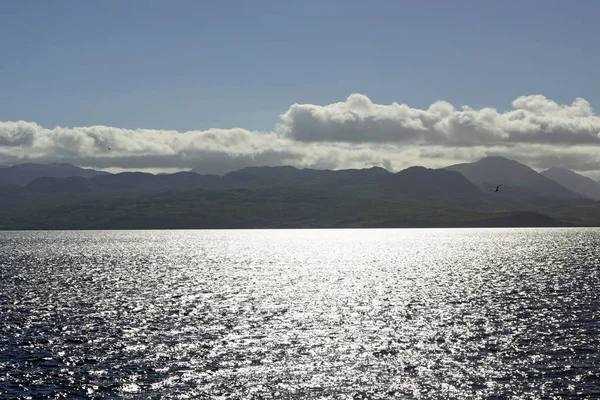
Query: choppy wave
x=379, y=314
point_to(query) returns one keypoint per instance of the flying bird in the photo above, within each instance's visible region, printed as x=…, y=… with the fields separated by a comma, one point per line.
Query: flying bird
x=498, y=187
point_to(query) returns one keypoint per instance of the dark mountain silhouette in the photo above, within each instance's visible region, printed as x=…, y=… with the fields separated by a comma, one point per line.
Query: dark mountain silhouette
x=263, y=177
x=22, y=174
x=280, y=197
x=145, y=182
x=432, y=182
x=138, y=182
x=519, y=180
x=575, y=182
x=411, y=182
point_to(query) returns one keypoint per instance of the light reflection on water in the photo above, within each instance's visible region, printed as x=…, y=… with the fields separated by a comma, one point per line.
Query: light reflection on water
x=431, y=313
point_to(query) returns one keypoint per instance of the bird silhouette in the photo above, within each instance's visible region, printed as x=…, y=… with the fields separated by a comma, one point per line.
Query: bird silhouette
x=498, y=187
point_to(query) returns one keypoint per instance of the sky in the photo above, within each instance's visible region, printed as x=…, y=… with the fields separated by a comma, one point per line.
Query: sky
x=219, y=85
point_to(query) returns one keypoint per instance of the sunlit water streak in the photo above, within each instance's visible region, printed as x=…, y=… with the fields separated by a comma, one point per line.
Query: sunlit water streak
x=448, y=313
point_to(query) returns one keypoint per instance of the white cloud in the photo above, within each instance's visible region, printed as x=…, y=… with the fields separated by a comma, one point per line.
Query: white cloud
x=532, y=119
x=353, y=134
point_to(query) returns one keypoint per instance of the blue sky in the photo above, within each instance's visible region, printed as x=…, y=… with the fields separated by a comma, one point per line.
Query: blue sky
x=187, y=65
x=319, y=84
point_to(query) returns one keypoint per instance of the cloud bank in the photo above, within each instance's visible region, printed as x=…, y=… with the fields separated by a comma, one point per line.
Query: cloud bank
x=533, y=119
x=355, y=133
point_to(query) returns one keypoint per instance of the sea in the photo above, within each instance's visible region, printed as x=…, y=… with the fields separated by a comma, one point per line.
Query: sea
x=301, y=314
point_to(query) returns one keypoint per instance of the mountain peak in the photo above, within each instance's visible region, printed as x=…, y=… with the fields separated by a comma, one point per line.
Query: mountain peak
x=499, y=160
x=491, y=171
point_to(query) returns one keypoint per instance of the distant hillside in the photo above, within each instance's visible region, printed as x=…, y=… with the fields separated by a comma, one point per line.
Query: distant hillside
x=518, y=180
x=22, y=174
x=575, y=182
x=261, y=208
x=411, y=182
x=579, y=215
x=414, y=181
x=291, y=177
x=144, y=182
x=270, y=197
x=443, y=187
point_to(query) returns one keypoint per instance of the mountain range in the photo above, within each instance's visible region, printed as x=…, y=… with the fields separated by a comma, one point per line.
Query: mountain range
x=63, y=196
x=22, y=174
x=520, y=182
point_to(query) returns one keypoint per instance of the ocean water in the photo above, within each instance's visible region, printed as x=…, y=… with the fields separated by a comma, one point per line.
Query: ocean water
x=293, y=314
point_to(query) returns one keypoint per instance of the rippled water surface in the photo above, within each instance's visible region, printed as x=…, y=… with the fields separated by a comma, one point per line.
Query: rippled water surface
x=390, y=313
